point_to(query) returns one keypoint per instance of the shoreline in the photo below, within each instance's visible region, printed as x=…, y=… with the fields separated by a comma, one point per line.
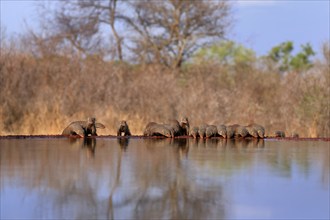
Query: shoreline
x=156, y=137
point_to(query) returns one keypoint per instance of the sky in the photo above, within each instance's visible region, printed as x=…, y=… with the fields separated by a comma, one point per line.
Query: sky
x=258, y=24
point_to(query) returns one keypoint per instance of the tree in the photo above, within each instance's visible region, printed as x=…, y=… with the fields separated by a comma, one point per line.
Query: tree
x=227, y=53
x=301, y=60
x=285, y=61
x=281, y=55
x=170, y=31
x=106, y=13
x=166, y=32
x=81, y=24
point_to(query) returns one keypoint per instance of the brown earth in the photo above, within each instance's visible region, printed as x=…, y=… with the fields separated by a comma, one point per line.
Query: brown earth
x=153, y=137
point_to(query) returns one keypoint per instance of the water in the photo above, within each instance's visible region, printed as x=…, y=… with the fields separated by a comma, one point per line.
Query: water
x=107, y=178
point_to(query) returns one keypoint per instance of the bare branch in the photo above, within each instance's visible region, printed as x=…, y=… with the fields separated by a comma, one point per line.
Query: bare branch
x=174, y=29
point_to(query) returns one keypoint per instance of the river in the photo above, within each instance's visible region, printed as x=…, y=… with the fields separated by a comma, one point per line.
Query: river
x=137, y=178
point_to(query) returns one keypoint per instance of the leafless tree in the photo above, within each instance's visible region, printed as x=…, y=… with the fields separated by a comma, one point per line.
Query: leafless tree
x=104, y=12
x=166, y=32
x=81, y=24
x=170, y=31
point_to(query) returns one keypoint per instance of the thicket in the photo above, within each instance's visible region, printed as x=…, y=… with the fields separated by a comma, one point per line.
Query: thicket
x=41, y=94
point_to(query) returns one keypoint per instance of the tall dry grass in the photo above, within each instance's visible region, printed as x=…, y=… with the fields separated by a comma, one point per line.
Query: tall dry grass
x=43, y=94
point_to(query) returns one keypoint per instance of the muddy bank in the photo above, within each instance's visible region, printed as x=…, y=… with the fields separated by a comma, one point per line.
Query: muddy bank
x=154, y=137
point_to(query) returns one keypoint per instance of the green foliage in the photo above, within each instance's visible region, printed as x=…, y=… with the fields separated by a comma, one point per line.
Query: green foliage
x=301, y=60
x=227, y=52
x=282, y=56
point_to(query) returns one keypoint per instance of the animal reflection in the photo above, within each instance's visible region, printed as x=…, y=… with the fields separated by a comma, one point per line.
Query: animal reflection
x=123, y=143
x=181, y=146
x=246, y=143
x=162, y=181
x=88, y=144
x=230, y=143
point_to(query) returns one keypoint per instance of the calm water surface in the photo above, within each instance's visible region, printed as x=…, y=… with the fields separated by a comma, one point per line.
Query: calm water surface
x=108, y=178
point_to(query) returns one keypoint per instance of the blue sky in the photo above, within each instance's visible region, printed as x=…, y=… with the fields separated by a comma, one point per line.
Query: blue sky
x=259, y=24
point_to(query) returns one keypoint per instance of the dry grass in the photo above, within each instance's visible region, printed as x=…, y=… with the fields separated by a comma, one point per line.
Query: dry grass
x=42, y=95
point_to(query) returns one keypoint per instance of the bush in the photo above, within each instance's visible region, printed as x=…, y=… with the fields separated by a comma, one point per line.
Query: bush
x=41, y=95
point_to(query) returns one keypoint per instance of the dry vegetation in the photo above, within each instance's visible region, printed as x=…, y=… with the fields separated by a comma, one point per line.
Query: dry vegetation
x=59, y=75
x=42, y=94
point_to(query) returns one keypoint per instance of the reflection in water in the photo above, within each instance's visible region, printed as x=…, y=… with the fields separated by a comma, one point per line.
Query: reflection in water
x=87, y=143
x=123, y=142
x=231, y=143
x=166, y=187
x=162, y=178
x=90, y=145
